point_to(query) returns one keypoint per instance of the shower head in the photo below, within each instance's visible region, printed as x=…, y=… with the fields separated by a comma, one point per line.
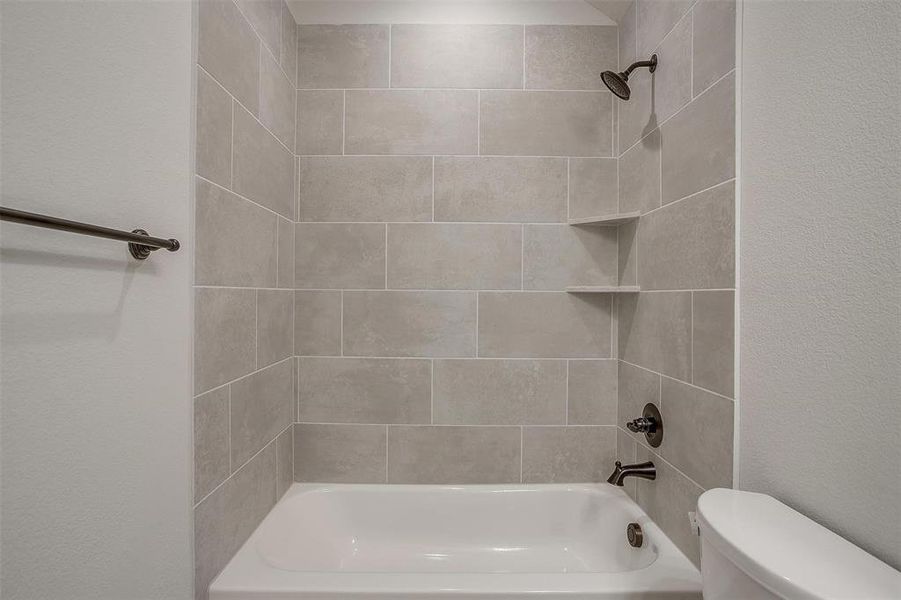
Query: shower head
x=618, y=83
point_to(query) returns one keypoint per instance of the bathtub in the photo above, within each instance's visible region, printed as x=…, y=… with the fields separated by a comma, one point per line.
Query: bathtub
x=419, y=542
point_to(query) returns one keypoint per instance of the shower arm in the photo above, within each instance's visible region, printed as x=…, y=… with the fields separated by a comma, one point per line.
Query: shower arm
x=638, y=65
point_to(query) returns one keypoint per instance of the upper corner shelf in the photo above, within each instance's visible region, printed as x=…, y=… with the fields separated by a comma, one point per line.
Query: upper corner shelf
x=603, y=289
x=617, y=219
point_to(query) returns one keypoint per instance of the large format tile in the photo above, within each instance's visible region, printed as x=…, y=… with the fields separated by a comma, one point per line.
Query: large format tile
x=453, y=455
x=342, y=56
x=655, y=19
x=568, y=57
x=284, y=458
x=713, y=45
x=655, y=332
x=530, y=190
x=557, y=256
x=236, y=240
x=698, y=433
x=339, y=255
x=317, y=323
x=526, y=123
x=411, y=122
x=456, y=56
x=224, y=331
x=698, y=144
x=261, y=407
x=320, y=122
x=211, y=460
x=263, y=167
x=544, y=325
x=288, y=44
x=591, y=392
x=454, y=256
x=229, y=50
x=213, y=155
x=689, y=244
x=639, y=175
x=365, y=390
x=636, y=117
x=275, y=326
x=628, y=253
x=713, y=341
x=227, y=517
x=265, y=17
x=339, y=453
x=567, y=454
x=276, y=100
x=592, y=187
x=285, y=253
x=409, y=324
x=672, y=84
x=625, y=453
x=365, y=188
x=636, y=387
x=628, y=45
x=500, y=392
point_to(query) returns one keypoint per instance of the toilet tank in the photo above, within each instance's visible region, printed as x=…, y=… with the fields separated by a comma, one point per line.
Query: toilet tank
x=754, y=547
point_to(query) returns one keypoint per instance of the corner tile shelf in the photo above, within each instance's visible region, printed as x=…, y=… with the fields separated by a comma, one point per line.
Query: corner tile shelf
x=603, y=289
x=617, y=219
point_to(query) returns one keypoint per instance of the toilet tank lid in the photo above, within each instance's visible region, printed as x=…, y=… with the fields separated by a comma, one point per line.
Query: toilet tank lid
x=788, y=553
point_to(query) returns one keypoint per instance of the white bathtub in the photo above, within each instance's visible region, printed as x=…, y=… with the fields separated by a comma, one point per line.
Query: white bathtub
x=421, y=542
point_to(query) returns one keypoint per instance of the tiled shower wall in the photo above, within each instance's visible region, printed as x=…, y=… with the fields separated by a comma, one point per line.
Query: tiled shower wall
x=437, y=165
x=677, y=166
x=243, y=273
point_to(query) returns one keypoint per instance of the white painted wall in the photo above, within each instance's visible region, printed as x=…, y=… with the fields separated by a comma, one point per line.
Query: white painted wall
x=821, y=264
x=96, y=347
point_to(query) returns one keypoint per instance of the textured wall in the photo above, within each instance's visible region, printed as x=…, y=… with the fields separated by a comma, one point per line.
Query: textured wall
x=436, y=168
x=677, y=167
x=820, y=250
x=96, y=347
x=243, y=273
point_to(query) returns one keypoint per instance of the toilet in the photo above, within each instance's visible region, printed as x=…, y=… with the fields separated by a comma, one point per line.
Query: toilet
x=754, y=547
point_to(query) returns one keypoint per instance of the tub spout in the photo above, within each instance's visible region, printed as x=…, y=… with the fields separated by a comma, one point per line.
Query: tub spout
x=645, y=470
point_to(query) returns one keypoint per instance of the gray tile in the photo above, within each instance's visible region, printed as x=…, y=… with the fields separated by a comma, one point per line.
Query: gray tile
x=592, y=187
x=284, y=449
x=229, y=50
x=214, y=131
x=591, y=392
x=531, y=190
x=263, y=168
x=668, y=500
x=211, y=465
x=317, y=323
x=288, y=45
x=627, y=41
x=227, y=517
x=655, y=19
x=689, y=244
x=698, y=433
x=285, y=253
x=500, y=392
x=365, y=390
x=525, y=123
x=567, y=454
x=224, y=330
x=556, y=256
x=698, y=144
x=454, y=256
x=636, y=387
x=261, y=407
x=655, y=331
x=639, y=175
x=339, y=255
x=236, y=240
x=637, y=118
x=713, y=47
x=411, y=122
x=320, y=122
x=568, y=57
x=276, y=100
x=628, y=253
x=713, y=341
x=429, y=324
x=672, y=85
x=544, y=325
x=275, y=326
x=265, y=17
x=342, y=56
x=339, y=453
x=456, y=56
x=365, y=188
x=625, y=453
x=453, y=455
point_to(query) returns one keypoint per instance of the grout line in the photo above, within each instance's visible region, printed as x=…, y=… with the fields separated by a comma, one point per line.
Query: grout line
x=245, y=376
x=390, y=40
x=236, y=471
x=478, y=123
x=521, y=437
x=256, y=332
x=432, y=391
x=560, y=157
x=523, y=57
x=230, y=466
x=512, y=90
x=257, y=204
x=451, y=425
x=568, y=196
x=433, y=189
x=691, y=338
x=387, y=429
x=522, y=258
x=343, y=122
x=450, y=358
x=441, y=291
x=566, y=402
x=477, y=323
x=386, y=256
x=676, y=379
x=341, y=341
x=688, y=197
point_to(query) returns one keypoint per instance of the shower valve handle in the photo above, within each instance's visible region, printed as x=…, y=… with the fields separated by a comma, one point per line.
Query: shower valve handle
x=642, y=425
